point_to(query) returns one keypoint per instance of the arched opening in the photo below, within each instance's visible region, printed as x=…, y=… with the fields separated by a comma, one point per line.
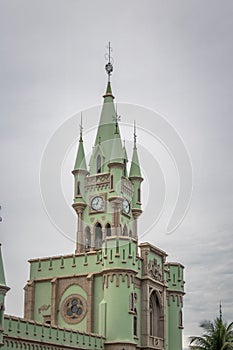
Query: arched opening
x=180, y=319
x=88, y=237
x=98, y=236
x=111, y=182
x=135, y=323
x=156, y=324
x=78, y=188
x=125, y=231
x=98, y=164
x=125, y=168
x=108, y=230
x=139, y=195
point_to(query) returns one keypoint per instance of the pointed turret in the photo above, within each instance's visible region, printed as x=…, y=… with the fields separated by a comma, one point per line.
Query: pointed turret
x=80, y=163
x=136, y=179
x=135, y=170
x=3, y=290
x=80, y=174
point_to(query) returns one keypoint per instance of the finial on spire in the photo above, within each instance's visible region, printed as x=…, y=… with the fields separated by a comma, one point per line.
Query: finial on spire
x=220, y=310
x=135, y=135
x=109, y=66
x=81, y=128
x=116, y=118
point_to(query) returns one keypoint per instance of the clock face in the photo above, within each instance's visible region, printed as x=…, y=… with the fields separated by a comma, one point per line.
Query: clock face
x=126, y=206
x=97, y=203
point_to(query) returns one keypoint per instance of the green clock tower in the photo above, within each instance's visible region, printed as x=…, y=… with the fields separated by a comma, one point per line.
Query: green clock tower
x=112, y=293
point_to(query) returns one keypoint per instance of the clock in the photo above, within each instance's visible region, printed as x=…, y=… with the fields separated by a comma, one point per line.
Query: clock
x=97, y=203
x=126, y=206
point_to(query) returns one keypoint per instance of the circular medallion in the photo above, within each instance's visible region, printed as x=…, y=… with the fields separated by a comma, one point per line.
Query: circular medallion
x=74, y=308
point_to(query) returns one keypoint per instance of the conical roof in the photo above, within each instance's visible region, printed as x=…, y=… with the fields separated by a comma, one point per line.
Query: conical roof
x=106, y=133
x=117, y=154
x=135, y=170
x=80, y=163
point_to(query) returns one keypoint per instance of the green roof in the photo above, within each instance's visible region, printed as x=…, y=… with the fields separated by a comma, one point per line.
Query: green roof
x=135, y=170
x=80, y=163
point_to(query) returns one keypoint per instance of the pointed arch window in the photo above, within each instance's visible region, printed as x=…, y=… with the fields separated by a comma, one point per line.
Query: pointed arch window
x=98, y=164
x=156, y=325
x=98, y=236
x=88, y=237
x=108, y=230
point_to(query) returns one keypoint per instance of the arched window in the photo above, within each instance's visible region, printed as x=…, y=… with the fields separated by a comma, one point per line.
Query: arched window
x=180, y=319
x=78, y=188
x=88, y=237
x=139, y=195
x=125, y=168
x=125, y=231
x=111, y=182
x=135, y=323
x=108, y=230
x=98, y=236
x=98, y=164
x=156, y=325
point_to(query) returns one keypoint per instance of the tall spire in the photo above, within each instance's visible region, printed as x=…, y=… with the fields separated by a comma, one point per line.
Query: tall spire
x=135, y=170
x=108, y=124
x=80, y=163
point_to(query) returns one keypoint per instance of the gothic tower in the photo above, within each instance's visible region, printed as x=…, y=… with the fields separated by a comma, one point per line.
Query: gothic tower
x=106, y=198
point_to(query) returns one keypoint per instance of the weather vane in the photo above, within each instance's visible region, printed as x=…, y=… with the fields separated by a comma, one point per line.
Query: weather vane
x=109, y=66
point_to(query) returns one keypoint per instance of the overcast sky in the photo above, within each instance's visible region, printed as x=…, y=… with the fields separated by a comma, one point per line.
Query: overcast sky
x=173, y=57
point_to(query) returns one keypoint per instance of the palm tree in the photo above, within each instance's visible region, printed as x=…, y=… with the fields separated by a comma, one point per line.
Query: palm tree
x=218, y=335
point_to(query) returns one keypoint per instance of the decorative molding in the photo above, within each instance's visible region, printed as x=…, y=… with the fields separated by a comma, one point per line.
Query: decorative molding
x=155, y=270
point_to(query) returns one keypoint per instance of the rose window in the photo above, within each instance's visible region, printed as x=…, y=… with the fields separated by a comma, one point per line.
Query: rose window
x=74, y=308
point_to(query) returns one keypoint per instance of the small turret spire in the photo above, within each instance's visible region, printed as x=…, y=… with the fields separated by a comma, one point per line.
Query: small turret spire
x=135, y=167
x=80, y=163
x=135, y=136
x=81, y=128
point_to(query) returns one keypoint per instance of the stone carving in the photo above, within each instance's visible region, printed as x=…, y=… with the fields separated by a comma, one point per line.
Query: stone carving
x=155, y=270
